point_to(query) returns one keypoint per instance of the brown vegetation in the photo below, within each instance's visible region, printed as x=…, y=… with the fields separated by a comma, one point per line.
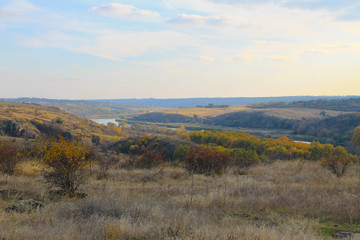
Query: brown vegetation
x=284, y=200
x=9, y=157
x=32, y=121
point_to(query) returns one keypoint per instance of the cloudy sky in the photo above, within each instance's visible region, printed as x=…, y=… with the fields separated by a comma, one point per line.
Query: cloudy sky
x=91, y=49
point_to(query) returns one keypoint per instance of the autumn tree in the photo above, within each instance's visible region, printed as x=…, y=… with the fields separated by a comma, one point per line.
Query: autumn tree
x=65, y=163
x=355, y=140
x=338, y=162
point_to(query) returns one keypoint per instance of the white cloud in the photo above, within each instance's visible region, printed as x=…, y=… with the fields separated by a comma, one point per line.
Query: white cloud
x=259, y=41
x=283, y=58
x=215, y=20
x=207, y=58
x=123, y=11
x=115, y=45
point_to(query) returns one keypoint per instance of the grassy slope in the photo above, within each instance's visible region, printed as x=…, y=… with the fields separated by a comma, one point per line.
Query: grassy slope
x=286, y=113
x=348, y=105
x=28, y=114
x=285, y=200
x=90, y=109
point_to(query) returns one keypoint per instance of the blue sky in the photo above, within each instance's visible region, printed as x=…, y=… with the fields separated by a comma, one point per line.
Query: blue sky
x=88, y=49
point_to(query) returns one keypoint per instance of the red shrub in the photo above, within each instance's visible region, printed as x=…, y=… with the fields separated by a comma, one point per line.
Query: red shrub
x=206, y=160
x=150, y=159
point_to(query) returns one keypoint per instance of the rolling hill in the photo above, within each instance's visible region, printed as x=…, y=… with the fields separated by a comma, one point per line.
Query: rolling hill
x=31, y=120
x=332, y=122
x=89, y=109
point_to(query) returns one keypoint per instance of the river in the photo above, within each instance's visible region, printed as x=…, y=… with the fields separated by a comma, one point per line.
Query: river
x=104, y=121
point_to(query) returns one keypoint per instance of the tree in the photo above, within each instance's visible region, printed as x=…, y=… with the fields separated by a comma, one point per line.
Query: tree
x=338, y=162
x=65, y=163
x=355, y=140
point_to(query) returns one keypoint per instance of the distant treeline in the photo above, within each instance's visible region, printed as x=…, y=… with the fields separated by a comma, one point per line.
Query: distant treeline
x=179, y=102
x=239, y=147
x=346, y=105
x=334, y=130
x=211, y=105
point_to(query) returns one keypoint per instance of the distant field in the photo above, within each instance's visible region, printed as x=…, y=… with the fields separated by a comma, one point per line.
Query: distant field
x=204, y=112
x=300, y=113
x=287, y=113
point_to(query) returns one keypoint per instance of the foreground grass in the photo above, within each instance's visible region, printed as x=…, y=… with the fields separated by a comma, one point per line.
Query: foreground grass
x=284, y=200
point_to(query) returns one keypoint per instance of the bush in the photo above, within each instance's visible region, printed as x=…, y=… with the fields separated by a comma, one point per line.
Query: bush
x=243, y=159
x=150, y=159
x=206, y=160
x=106, y=161
x=338, y=162
x=9, y=157
x=58, y=120
x=66, y=163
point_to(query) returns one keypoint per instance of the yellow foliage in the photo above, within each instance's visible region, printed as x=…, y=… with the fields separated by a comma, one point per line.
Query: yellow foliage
x=66, y=163
x=116, y=138
x=185, y=136
x=117, y=130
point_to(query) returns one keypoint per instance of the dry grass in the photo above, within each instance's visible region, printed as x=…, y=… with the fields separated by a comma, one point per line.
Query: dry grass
x=28, y=113
x=285, y=200
x=286, y=113
x=205, y=112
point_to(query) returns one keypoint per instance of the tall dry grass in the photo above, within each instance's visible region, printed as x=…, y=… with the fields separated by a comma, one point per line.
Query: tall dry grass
x=284, y=200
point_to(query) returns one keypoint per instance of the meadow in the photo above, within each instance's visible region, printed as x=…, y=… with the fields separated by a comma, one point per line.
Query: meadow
x=283, y=200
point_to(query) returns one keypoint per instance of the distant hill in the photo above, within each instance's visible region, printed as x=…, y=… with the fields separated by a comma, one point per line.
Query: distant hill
x=32, y=120
x=346, y=105
x=89, y=109
x=324, y=125
x=114, y=108
x=335, y=130
x=193, y=102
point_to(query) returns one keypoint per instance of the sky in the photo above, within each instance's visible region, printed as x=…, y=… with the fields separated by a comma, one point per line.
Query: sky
x=99, y=49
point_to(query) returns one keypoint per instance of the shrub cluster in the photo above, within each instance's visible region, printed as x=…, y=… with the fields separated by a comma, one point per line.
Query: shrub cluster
x=206, y=160
x=9, y=157
x=282, y=148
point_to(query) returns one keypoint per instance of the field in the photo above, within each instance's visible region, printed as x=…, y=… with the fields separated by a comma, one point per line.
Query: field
x=283, y=200
x=287, y=113
x=204, y=112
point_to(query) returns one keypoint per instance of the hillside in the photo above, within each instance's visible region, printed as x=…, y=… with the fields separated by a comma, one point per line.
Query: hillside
x=326, y=126
x=31, y=120
x=109, y=108
x=346, y=105
x=210, y=115
x=89, y=109
x=193, y=102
